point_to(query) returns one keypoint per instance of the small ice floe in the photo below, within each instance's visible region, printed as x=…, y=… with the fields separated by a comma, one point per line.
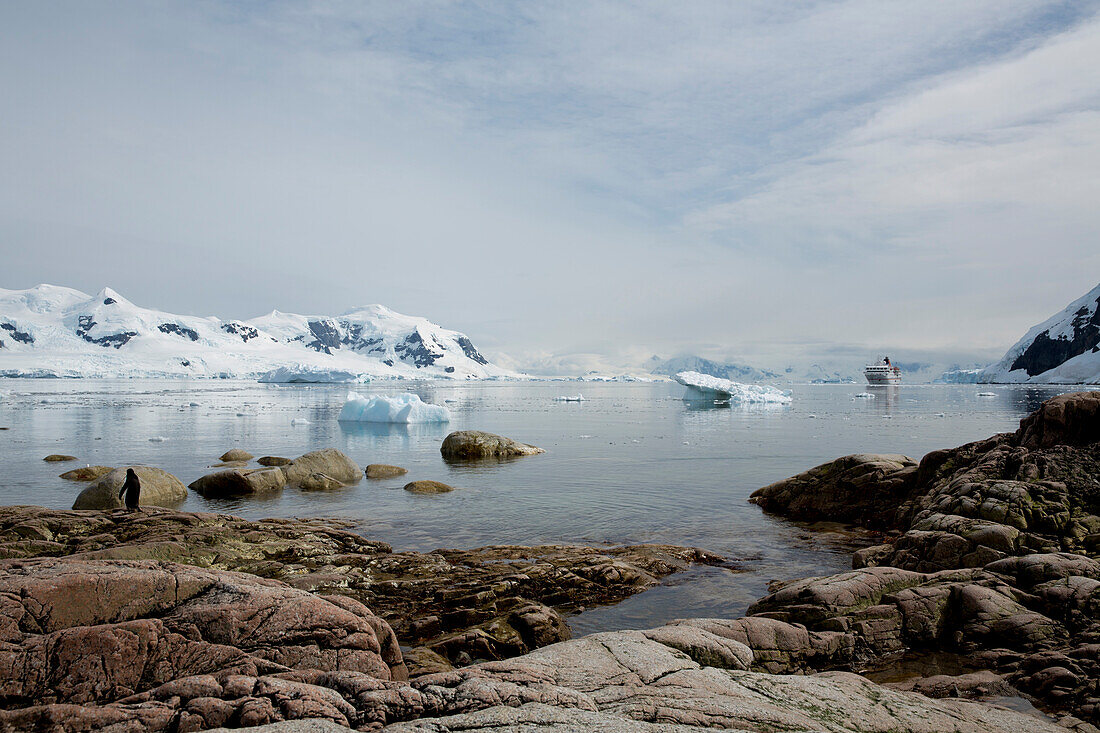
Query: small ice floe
x=863, y=396
x=584, y=437
x=158, y=439
x=450, y=399
x=987, y=394
x=193, y=404
x=573, y=398
x=939, y=414
x=242, y=414
x=812, y=416
x=300, y=421
x=402, y=408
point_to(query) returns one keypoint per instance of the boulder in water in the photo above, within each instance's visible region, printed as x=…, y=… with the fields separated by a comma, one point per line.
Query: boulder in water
x=382, y=470
x=158, y=488
x=87, y=473
x=237, y=482
x=465, y=444
x=428, y=487
x=236, y=455
x=58, y=458
x=329, y=461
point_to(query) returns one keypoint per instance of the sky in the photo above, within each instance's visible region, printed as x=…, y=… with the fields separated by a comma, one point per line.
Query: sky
x=569, y=183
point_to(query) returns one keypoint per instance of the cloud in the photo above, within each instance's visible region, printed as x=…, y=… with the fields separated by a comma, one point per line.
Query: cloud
x=598, y=178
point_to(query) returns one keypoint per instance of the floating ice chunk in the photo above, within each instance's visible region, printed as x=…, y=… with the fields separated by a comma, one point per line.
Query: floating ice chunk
x=402, y=408
x=863, y=396
x=704, y=386
x=940, y=414
x=158, y=439
x=300, y=421
x=987, y=394
x=193, y=404
x=574, y=398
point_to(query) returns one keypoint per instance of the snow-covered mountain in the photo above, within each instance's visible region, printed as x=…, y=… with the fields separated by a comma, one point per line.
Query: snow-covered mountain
x=1064, y=349
x=50, y=330
x=691, y=363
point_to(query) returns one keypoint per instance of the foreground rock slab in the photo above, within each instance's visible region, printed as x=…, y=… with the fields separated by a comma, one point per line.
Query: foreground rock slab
x=459, y=605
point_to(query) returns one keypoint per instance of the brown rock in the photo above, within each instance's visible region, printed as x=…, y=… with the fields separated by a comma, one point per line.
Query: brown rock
x=239, y=482
x=58, y=458
x=329, y=461
x=1069, y=419
x=158, y=488
x=469, y=444
x=236, y=454
x=87, y=473
x=428, y=487
x=382, y=470
x=273, y=461
x=319, y=482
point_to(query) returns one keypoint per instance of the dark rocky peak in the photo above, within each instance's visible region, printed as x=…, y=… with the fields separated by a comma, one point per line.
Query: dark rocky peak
x=1045, y=353
x=109, y=301
x=179, y=330
x=86, y=323
x=21, y=336
x=326, y=336
x=354, y=340
x=470, y=351
x=420, y=351
x=243, y=330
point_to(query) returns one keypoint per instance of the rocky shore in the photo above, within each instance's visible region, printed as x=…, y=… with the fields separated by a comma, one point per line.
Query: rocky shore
x=987, y=587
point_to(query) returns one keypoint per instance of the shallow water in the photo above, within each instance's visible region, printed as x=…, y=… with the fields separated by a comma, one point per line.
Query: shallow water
x=633, y=463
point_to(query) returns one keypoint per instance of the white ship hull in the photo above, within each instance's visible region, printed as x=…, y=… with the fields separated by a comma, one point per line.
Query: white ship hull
x=882, y=375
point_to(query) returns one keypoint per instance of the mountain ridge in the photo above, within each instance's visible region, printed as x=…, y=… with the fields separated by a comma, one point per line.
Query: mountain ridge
x=107, y=335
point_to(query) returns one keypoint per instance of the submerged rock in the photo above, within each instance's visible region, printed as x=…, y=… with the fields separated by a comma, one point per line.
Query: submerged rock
x=87, y=473
x=58, y=458
x=158, y=488
x=273, y=461
x=382, y=470
x=466, y=444
x=236, y=454
x=428, y=487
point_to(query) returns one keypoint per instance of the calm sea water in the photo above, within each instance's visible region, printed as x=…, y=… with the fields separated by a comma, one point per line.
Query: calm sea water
x=633, y=463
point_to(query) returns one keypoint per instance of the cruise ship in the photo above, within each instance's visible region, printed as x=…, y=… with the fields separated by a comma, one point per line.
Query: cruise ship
x=882, y=373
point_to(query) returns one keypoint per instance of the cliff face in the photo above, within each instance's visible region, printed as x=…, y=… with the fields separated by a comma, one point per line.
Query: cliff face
x=1064, y=349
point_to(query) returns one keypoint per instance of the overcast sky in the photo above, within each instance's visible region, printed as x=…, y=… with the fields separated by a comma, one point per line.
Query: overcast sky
x=741, y=179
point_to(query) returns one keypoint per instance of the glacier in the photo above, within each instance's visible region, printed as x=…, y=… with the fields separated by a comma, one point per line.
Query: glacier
x=403, y=408
x=704, y=386
x=53, y=331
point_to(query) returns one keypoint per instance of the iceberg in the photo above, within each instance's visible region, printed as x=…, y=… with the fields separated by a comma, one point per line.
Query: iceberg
x=704, y=386
x=402, y=408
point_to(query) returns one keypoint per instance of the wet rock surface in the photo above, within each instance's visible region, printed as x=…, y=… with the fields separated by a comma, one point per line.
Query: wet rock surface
x=86, y=473
x=428, y=487
x=994, y=555
x=382, y=470
x=475, y=444
x=330, y=462
x=239, y=482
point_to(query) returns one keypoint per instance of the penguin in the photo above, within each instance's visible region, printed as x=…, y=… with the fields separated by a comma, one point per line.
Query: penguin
x=132, y=488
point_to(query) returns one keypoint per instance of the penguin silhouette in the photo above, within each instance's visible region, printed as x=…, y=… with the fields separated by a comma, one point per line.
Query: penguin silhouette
x=132, y=489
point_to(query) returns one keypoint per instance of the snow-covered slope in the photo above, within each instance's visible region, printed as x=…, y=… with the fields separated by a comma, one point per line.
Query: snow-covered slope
x=54, y=331
x=1064, y=349
x=691, y=363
